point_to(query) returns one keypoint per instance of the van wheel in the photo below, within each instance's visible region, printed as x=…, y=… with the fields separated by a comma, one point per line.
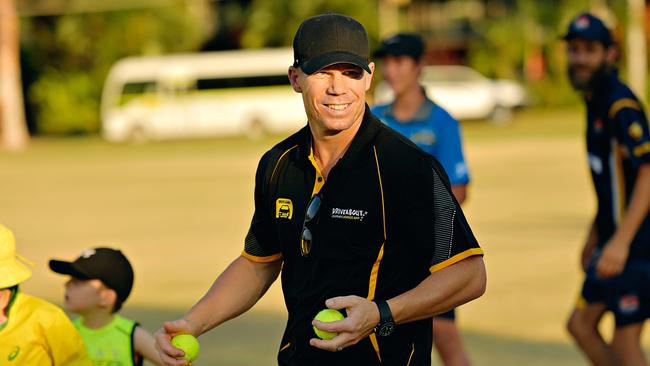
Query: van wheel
x=256, y=130
x=138, y=135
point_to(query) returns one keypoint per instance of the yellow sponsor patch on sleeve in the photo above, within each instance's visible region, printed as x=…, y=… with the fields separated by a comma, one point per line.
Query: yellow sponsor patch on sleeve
x=283, y=208
x=635, y=130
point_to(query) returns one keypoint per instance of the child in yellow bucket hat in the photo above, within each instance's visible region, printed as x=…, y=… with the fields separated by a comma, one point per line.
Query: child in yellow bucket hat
x=32, y=331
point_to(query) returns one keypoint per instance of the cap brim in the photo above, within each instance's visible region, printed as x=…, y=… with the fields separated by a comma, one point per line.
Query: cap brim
x=332, y=58
x=66, y=268
x=570, y=36
x=13, y=274
x=588, y=37
x=381, y=53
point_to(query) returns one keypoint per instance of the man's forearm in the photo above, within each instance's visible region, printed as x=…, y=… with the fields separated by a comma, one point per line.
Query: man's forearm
x=441, y=291
x=638, y=208
x=235, y=291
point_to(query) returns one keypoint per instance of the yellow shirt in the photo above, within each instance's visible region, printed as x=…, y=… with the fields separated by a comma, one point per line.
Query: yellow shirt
x=39, y=333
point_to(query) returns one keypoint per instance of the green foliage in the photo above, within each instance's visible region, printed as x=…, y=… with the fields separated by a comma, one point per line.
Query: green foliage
x=73, y=53
x=508, y=43
x=69, y=103
x=273, y=23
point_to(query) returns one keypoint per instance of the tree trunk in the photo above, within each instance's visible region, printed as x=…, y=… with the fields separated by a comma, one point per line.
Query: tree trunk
x=636, y=48
x=13, y=131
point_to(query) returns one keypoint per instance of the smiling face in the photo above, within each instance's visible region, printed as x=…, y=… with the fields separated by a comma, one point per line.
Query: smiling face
x=587, y=60
x=334, y=96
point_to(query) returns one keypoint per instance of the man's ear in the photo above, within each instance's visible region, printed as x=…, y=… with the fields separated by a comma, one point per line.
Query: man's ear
x=369, y=78
x=293, y=74
x=612, y=54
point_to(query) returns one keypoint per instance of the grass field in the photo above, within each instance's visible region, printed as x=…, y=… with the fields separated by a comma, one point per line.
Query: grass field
x=180, y=211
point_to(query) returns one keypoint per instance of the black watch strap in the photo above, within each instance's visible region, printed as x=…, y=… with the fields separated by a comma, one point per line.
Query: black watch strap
x=384, y=311
x=386, y=323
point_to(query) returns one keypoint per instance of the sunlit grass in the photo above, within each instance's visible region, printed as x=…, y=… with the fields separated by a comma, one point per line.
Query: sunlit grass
x=180, y=211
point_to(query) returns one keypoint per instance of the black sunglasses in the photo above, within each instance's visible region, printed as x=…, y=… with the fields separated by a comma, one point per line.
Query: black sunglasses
x=306, y=238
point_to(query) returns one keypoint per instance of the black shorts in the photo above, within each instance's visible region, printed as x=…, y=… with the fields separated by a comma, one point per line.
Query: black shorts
x=626, y=295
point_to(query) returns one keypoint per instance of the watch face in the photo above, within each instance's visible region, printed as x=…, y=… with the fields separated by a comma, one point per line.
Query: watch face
x=386, y=329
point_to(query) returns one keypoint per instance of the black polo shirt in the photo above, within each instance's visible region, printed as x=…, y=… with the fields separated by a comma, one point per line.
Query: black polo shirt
x=387, y=220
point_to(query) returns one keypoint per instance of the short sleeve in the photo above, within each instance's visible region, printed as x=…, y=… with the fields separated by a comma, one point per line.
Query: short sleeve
x=435, y=222
x=261, y=244
x=66, y=346
x=631, y=129
x=450, y=149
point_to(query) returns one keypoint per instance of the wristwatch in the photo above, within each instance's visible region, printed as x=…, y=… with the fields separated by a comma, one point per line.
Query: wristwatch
x=386, y=324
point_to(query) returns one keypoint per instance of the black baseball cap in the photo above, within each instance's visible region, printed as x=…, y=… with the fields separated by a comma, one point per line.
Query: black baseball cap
x=105, y=264
x=401, y=44
x=587, y=26
x=329, y=39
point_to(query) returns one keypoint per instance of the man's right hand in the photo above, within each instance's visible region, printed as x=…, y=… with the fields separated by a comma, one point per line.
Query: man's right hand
x=169, y=353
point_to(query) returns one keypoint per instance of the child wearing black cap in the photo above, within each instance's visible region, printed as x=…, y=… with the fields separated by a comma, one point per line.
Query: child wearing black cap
x=100, y=281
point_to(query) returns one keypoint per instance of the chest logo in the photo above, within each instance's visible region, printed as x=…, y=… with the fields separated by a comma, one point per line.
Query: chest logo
x=13, y=354
x=635, y=130
x=283, y=208
x=423, y=138
x=348, y=214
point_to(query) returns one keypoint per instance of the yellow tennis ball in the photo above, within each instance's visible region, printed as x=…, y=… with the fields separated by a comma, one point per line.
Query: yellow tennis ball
x=326, y=316
x=188, y=344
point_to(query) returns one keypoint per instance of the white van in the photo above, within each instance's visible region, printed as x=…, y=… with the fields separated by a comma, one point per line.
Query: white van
x=243, y=92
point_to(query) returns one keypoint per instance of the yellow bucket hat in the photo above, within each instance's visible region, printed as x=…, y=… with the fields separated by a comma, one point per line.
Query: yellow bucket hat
x=12, y=268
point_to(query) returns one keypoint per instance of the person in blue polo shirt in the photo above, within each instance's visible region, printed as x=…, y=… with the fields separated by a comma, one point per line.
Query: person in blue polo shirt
x=616, y=255
x=414, y=114
x=433, y=130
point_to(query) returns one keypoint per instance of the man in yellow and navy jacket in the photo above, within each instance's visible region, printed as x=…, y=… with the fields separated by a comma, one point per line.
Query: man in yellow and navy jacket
x=616, y=254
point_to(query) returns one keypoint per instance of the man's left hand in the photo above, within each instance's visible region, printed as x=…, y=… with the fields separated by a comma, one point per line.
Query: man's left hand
x=363, y=316
x=612, y=260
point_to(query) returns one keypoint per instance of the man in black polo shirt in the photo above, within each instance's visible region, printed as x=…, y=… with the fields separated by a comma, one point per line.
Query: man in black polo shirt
x=616, y=255
x=354, y=216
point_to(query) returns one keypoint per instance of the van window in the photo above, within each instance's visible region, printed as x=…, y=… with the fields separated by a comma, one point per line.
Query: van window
x=135, y=89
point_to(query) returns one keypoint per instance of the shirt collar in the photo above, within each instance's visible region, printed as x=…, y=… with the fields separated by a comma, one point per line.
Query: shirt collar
x=423, y=113
x=369, y=128
x=604, y=87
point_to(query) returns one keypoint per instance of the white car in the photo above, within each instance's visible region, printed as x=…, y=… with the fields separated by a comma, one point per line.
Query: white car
x=465, y=93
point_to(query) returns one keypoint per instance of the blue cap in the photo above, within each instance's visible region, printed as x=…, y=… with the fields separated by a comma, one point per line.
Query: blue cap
x=587, y=26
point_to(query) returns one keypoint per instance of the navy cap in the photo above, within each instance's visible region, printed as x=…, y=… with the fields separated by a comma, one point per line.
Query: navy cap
x=401, y=44
x=106, y=264
x=587, y=26
x=329, y=39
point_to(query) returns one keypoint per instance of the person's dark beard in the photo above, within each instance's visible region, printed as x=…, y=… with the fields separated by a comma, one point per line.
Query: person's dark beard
x=593, y=82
